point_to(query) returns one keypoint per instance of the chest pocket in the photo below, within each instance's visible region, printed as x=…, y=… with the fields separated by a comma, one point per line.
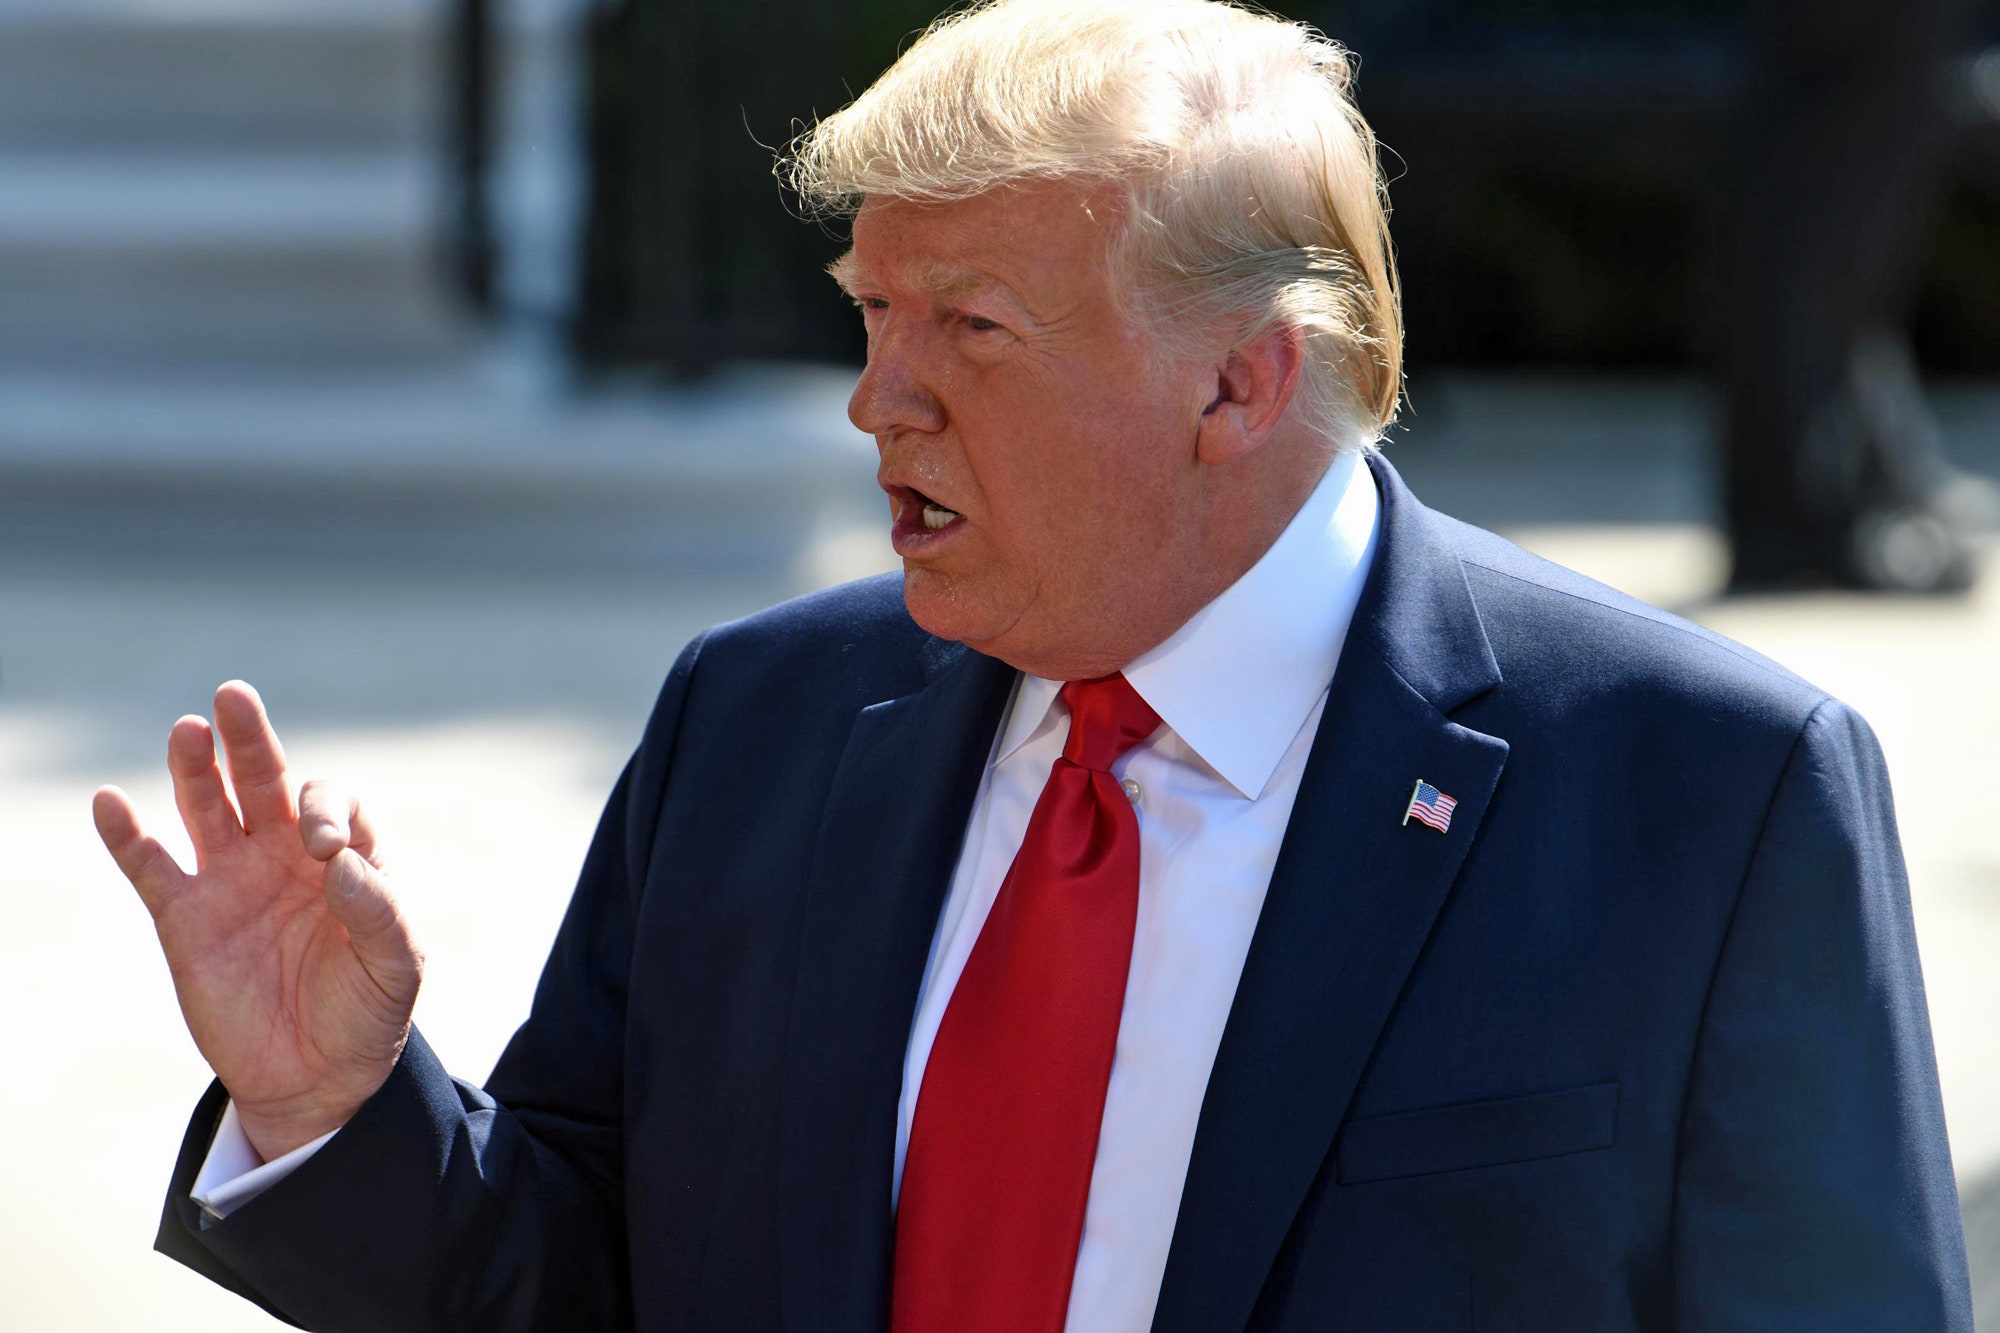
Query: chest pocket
x=1477, y=1134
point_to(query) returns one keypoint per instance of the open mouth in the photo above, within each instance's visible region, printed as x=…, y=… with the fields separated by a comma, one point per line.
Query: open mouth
x=915, y=510
x=936, y=515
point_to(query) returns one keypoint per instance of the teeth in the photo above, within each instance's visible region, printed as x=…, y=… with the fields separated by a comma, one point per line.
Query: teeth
x=937, y=516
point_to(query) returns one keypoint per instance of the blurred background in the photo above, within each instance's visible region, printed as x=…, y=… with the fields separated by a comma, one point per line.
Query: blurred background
x=440, y=366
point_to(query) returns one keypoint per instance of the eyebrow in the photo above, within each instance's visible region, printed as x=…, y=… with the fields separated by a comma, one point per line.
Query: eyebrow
x=928, y=275
x=845, y=271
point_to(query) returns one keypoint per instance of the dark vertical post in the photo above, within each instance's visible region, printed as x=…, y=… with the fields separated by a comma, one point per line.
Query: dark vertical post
x=669, y=183
x=469, y=134
x=645, y=252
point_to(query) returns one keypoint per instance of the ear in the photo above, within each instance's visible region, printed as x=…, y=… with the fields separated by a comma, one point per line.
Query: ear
x=1254, y=385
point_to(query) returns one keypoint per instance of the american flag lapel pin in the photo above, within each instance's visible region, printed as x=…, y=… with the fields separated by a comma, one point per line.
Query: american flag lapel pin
x=1431, y=806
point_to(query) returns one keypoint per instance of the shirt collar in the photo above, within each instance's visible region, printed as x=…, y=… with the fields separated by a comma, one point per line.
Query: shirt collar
x=1237, y=681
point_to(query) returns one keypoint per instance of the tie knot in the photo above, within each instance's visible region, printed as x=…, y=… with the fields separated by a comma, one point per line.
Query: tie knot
x=1106, y=718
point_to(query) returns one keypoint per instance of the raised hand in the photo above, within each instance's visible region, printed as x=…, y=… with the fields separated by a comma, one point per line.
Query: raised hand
x=295, y=970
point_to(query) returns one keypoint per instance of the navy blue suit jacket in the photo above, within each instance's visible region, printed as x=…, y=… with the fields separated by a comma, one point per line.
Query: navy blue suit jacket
x=1640, y=1044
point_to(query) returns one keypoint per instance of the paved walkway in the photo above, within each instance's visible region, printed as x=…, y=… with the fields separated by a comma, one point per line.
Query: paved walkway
x=478, y=670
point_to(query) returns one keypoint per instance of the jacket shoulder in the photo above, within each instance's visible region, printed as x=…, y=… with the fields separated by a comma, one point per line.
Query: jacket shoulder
x=856, y=637
x=867, y=608
x=1556, y=630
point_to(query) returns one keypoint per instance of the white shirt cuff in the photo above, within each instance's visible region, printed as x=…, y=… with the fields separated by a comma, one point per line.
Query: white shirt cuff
x=233, y=1174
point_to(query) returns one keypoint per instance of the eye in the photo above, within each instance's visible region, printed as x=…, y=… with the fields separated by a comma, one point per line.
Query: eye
x=980, y=324
x=866, y=303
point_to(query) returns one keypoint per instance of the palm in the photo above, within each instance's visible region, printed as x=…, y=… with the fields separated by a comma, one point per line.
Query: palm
x=297, y=993
x=273, y=990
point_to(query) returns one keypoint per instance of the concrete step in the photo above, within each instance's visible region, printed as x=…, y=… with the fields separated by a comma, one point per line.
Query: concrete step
x=210, y=181
x=130, y=199
x=245, y=73
x=207, y=254
x=473, y=468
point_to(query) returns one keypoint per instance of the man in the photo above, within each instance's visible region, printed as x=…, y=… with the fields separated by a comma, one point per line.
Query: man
x=1834, y=472
x=1207, y=891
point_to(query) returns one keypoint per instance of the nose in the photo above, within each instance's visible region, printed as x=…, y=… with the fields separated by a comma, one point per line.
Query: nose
x=892, y=393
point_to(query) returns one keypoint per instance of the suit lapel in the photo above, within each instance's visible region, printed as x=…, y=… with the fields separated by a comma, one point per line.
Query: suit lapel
x=1351, y=903
x=890, y=836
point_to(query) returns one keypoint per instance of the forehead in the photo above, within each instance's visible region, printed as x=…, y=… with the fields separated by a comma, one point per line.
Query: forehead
x=1036, y=237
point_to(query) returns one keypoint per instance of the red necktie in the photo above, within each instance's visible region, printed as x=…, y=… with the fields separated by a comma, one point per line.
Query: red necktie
x=1005, y=1132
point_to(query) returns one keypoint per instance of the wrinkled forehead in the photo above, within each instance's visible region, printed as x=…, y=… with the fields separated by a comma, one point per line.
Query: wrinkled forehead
x=1023, y=236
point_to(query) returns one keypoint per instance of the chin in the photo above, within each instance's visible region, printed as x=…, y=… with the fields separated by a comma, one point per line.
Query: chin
x=942, y=605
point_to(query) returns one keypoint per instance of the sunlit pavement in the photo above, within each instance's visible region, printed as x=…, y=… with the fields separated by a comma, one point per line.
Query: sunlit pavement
x=482, y=704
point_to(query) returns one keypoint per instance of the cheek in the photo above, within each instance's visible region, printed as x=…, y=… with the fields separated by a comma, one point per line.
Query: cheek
x=1066, y=467
x=1041, y=487
x=1132, y=450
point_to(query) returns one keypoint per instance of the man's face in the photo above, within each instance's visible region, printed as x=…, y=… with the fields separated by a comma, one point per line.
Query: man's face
x=1038, y=453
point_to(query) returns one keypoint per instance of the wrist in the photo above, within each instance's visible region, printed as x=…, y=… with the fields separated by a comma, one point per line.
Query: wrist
x=275, y=1128
x=273, y=1136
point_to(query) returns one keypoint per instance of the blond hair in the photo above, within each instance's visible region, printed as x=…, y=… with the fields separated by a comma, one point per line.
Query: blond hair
x=1253, y=182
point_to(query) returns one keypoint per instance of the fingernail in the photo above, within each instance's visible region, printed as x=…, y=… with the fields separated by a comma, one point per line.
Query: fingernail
x=351, y=877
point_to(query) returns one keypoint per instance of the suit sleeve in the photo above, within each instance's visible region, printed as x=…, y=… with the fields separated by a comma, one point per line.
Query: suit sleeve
x=1814, y=1187
x=441, y=1206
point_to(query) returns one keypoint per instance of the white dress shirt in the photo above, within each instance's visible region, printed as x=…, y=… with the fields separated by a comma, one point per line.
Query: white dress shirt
x=1239, y=689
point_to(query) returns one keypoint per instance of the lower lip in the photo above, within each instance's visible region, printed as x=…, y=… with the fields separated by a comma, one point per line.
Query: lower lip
x=913, y=540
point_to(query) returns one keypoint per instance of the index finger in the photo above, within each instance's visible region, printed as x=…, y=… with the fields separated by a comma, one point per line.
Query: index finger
x=256, y=760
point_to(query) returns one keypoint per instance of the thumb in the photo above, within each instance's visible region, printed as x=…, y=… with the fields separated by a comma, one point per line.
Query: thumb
x=358, y=896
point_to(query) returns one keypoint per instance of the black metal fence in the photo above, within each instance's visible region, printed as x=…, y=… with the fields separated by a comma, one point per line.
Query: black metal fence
x=1560, y=188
